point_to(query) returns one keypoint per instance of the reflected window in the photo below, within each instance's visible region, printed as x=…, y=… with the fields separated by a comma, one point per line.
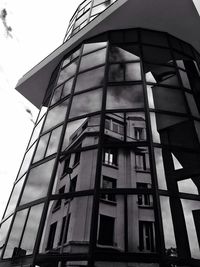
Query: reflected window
x=110, y=156
x=140, y=161
x=77, y=158
x=52, y=232
x=73, y=183
x=106, y=230
x=168, y=228
x=59, y=201
x=146, y=236
x=108, y=183
x=143, y=200
x=115, y=124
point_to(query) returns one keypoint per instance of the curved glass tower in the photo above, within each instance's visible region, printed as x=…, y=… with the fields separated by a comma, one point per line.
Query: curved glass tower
x=110, y=177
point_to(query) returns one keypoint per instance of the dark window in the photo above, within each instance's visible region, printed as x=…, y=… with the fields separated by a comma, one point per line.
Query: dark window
x=146, y=239
x=140, y=161
x=110, y=156
x=58, y=203
x=108, y=183
x=52, y=233
x=66, y=164
x=106, y=230
x=139, y=133
x=77, y=158
x=143, y=199
x=67, y=228
x=64, y=229
x=73, y=185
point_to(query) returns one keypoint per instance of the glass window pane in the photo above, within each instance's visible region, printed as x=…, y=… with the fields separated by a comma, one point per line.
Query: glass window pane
x=125, y=97
x=191, y=211
x=78, y=216
x=93, y=59
x=184, y=78
x=135, y=126
x=67, y=72
x=156, y=55
x=67, y=87
x=41, y=148
x=26, y=161
x=123, y=53
x=92, y=47
x=31, y=229
x=160, y=169
x=57, y=94
x=90, y=102
x=90, y=79
x=188, y=186
x=98, y=9
x=14, y=197
x=168, y=99
x=36, y=132
x=192, y=105
x=154, y=38
x=37, y=182
x=3, y=233
x=133, y=72
x=56, y=115
x=15, y=233
x=54, y=141
x=81, y=19
x=168, y=228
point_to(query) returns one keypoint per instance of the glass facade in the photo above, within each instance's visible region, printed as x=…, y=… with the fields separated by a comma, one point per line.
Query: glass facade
x=111, y=173
x=86, y=12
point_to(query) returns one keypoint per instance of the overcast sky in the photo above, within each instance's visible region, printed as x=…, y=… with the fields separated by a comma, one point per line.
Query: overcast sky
x=38, y=27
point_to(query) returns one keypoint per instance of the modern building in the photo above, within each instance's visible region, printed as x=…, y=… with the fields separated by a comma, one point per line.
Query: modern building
x=111, y=175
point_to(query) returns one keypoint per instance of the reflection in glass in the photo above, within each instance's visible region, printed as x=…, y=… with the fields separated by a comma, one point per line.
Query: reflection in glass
x=59, y=227
x=184, y=78
x=14, y=197
x=54, y=141
x=55, y=115
x=123, y=53
x=125, y=97
x=26, y=161
x=150, y=97
x=31, y=229
x=160, y=169
x=141, y=232
x=135, y=126
x=67, y=87
x=90, y=79
x=168, y=99
x=128, y=72
x=3, y=233
x=188, y=186
x=192, y=105
x=36, y=132
x=191, y=211
x=67, y=72
x=72, y=127
x=92, y=47
x=90, y=102
x=156, y=54
x=41, y=148
x=155, y=134
x=37, y=182
x=57, y=94
x=15, y=234
x=168, y=228
x=93, y=59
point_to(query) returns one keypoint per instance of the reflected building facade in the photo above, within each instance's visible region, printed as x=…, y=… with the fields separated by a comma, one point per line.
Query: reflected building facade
x=110, y=177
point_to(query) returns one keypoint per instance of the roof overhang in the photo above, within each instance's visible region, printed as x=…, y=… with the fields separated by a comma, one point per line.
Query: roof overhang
x=177, y=17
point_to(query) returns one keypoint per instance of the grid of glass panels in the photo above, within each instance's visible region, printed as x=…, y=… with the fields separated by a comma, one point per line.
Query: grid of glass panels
x=111, y=173
x=86, y=12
